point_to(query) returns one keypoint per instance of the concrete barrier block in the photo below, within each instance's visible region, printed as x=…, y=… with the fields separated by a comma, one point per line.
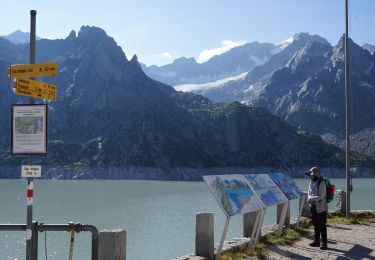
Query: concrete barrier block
x=112, y=245
x=340, y=201
x=204, y=235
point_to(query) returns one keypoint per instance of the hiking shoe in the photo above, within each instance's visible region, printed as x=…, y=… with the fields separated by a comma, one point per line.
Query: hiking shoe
x=315, y=244
x=324, y=246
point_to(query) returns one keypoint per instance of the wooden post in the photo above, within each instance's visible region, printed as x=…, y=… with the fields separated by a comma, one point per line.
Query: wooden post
x=112, y=244
x=204, y=235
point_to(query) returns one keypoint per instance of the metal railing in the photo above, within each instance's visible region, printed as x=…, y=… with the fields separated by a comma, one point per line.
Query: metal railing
x=41, y=227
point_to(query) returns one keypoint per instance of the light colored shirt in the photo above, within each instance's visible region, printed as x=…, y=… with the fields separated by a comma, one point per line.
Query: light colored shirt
x=317, y=196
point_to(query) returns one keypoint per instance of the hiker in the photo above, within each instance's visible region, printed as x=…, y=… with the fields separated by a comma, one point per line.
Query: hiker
x=316, y=197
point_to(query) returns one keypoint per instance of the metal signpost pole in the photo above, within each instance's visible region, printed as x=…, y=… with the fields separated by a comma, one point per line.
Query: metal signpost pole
x=29, y=224
x=347, y=114
x=301, y=204
x=282, y=218
x=220, y=248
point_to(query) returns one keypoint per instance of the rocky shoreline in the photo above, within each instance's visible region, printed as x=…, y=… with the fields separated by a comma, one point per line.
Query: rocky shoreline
x=172, y=174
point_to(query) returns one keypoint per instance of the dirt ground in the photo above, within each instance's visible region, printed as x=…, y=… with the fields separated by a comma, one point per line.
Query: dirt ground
x=344, y=242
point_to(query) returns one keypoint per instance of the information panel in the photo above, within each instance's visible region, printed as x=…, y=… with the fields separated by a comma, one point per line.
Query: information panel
x=267, y=190
x=233, y=193
x=29, y=129
x=286, y=185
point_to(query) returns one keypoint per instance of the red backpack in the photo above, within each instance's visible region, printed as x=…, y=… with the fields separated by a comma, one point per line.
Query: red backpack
x=330, y=188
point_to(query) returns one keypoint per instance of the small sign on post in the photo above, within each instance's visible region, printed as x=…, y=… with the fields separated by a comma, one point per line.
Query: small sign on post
x=33, y=171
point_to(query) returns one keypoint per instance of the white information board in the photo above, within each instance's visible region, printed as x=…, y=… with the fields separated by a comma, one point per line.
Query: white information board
x=267, y=190
x=29, y=129
x=287, y=185
x=233, y=193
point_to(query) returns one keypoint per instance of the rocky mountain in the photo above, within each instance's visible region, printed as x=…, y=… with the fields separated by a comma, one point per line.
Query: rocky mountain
x=249, y=87
x=112, y=121
x=237, y=60
x=364, y=142
x=304, y=84
x=310, y=95
x=369, y=47
x=18, y=37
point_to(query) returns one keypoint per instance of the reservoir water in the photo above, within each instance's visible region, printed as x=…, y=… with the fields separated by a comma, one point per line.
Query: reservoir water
x=159, y=216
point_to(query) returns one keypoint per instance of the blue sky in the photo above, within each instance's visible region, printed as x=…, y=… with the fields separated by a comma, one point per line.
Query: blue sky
x=159, y=31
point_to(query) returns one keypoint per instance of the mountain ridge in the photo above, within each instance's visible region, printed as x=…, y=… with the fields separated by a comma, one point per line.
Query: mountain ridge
x=19, y=37
x=304, y=84
x=235, y=61
x=108, y=113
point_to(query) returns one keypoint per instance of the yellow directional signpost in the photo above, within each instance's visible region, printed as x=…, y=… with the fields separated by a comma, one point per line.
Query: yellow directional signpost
x=33, y=70
x=35, y=89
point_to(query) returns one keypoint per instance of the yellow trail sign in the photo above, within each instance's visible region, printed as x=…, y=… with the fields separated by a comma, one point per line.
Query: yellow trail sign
x=35, y=89
x=33, y=70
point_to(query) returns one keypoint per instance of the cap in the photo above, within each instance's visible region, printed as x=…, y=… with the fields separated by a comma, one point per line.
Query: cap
x=312, y=170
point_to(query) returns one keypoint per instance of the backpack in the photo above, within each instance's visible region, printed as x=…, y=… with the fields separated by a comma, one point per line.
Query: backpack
x=330, y=188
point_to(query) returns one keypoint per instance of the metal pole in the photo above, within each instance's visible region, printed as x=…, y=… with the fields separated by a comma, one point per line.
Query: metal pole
x=222, y=239
x=35, y=240
x=347, y=114
x=29, y=224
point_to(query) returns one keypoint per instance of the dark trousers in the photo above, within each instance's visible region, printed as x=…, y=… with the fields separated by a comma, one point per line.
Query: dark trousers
x=319, y=221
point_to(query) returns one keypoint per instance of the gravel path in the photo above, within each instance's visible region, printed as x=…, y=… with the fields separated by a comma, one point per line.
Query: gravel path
x=344, y=242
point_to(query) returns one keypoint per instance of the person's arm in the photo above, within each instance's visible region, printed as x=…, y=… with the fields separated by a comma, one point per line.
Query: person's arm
x=310, y=194
x=322, y=193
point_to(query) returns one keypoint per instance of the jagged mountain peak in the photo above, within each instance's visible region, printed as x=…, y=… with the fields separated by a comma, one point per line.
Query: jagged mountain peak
x=301, y=39
x=308, y=37
x=135, y=65
x=134, y=59
x=91, y=30
x=358, y=56
x=72, y=35
x=103, y=49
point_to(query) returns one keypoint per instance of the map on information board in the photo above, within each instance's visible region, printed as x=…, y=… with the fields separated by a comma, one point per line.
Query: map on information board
x=286, y=185
x=267, y=190
x=233, y=193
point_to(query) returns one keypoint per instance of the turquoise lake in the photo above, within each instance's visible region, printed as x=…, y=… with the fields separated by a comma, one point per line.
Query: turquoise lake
x=159, y=216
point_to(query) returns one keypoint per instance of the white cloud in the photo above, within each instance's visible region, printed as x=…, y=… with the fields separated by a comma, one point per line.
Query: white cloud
x=225, y=46
x=164, y=57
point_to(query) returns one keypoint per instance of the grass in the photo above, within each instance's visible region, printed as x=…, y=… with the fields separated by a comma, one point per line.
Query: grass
x=358, y=218
x=290, y=235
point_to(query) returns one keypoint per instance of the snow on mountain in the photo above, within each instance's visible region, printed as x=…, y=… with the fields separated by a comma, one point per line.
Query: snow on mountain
x=286, y=43
x=210, y=85
x=237, y=60
x=282, y=45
